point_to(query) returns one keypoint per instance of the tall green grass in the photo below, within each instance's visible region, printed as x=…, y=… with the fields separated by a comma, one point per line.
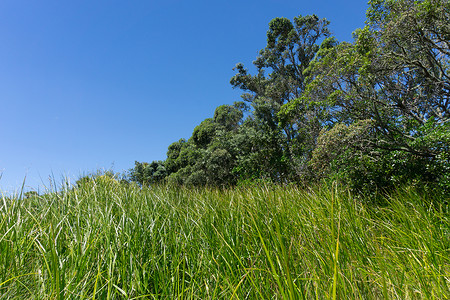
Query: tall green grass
x=108, y=241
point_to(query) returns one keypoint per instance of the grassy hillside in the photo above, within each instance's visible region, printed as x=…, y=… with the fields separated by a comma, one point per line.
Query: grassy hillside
x=108, y=241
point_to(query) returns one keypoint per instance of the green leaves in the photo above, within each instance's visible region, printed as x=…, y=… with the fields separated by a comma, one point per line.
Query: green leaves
x=280, y=34
x=289, y=50
x=204, y=133
x=228, y=116
x=146, y=174
x=373, y=113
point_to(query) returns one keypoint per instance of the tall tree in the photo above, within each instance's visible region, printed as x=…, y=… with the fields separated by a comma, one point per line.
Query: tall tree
x=291, y=46
x=395, y=74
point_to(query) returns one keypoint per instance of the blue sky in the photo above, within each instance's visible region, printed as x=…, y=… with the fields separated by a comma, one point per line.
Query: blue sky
x=98, y=84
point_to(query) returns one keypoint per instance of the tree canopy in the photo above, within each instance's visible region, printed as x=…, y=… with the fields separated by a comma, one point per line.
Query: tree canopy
x=373, y=113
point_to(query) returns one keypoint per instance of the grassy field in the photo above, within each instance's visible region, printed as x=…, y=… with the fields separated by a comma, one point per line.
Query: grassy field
x=107, y=241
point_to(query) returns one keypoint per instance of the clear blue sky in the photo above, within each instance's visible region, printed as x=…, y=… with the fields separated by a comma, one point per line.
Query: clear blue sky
x=95, y=84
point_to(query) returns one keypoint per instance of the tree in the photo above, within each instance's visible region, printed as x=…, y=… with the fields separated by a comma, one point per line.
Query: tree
x=289, y=50
x=148, y=173
x=204, y=133
x=172, y=163
x=373, y=113
x=410, y=73
x=230, y=116
x=396, y=75
x=291, y=46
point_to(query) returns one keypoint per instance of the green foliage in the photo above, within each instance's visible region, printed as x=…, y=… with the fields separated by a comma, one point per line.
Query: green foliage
x=395, y=74
x=31, y=194
x=110, y=241
x=229, y=117
x=148, y=173
x=373, y=113
x=344, y=153
x=204, y=133
x=291, y=47
x=338, y=146
x=84, y=180
x=101, y=175
x=173, y=164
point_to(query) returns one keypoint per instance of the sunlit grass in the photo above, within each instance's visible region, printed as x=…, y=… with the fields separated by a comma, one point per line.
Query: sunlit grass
x=109, y=241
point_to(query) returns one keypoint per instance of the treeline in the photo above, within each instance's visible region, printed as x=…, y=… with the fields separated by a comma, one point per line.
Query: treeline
x=373, y=113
